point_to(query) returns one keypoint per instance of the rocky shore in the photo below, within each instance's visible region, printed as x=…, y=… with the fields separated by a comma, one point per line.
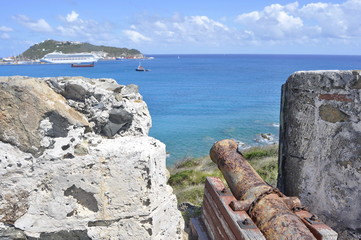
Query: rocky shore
x=76, y=162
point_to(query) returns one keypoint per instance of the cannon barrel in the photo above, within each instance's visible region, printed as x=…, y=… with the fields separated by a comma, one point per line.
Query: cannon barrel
x=269, y=209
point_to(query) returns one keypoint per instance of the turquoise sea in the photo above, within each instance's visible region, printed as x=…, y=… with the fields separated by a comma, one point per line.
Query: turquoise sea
x=195, y=100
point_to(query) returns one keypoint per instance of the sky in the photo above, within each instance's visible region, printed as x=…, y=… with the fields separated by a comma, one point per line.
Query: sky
x=186, y=26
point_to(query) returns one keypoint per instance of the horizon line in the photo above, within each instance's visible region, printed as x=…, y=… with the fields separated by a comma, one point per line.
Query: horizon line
x=308, y=54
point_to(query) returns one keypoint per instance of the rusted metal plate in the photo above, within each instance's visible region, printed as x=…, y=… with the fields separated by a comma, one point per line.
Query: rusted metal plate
x=198, y=230
x=213, y=212
x=221, y=205
x=209, y=223
x=240, y=205
x=320, y=230
x=224, y=192
x=246, y=224
x=312, y=221
x=292, y=203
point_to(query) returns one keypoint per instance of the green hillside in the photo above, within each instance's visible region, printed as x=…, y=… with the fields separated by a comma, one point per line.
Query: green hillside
x=39, y=50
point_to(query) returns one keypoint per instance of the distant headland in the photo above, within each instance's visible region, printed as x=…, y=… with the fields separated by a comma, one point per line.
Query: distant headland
x=39, y=50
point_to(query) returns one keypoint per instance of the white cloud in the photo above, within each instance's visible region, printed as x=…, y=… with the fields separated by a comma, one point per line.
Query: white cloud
x=178, y=29
x=84, y=30
x=337, y=21
x=72, y=17
x=292, y=24
x=71, y=27
x=204, y=22
x=273, y=22
x=4, y=36
x=5, y=29
x=329, y=18
x=160, y=25
x=252, y=16
x=36, y=25
x=136, y=36
x=312, y=22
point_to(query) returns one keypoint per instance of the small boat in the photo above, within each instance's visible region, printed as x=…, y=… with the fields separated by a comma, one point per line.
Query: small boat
x=82, y=64
x=141, y=69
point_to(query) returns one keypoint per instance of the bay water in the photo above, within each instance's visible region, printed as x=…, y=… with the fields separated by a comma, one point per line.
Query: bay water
x=195, y=100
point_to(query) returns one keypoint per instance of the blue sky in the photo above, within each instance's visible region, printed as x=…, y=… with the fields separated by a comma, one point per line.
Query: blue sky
x=198, y=26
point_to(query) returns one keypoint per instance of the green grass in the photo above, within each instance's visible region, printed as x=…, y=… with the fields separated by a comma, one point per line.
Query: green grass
x=192, y=194
x=267, y=168
x=187, y=163
x=188, y=184
x=261, y=152
x=265, y=161
x=188, y=176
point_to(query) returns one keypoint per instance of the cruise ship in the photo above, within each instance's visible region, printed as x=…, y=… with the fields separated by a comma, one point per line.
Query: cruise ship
x=58, y=57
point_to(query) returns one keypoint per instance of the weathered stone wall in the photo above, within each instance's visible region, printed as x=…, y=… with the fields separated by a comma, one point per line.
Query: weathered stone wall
x=320, y=146
x=76, y=163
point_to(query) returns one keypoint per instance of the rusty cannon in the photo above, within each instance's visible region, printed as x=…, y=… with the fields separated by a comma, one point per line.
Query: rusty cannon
x=253, y=209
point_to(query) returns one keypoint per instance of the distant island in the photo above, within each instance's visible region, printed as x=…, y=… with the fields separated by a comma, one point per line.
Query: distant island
x=39, y=50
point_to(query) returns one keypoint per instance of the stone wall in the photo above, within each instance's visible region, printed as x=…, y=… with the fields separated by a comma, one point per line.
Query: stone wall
x=320, y=146
x=76, y=162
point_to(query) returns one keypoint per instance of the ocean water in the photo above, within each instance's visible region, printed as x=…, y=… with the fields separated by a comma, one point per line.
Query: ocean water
x=195, y=100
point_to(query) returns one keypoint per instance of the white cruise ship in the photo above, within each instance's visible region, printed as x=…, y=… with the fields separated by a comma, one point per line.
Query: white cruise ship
x=58, y=57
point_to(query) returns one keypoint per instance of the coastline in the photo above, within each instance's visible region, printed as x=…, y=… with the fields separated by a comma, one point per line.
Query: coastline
x=199, y=99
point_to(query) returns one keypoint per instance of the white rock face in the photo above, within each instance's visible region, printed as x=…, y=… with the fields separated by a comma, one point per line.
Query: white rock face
x=85, y=185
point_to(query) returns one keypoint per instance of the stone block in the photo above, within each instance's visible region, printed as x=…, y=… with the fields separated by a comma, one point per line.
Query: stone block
x=320, y=145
